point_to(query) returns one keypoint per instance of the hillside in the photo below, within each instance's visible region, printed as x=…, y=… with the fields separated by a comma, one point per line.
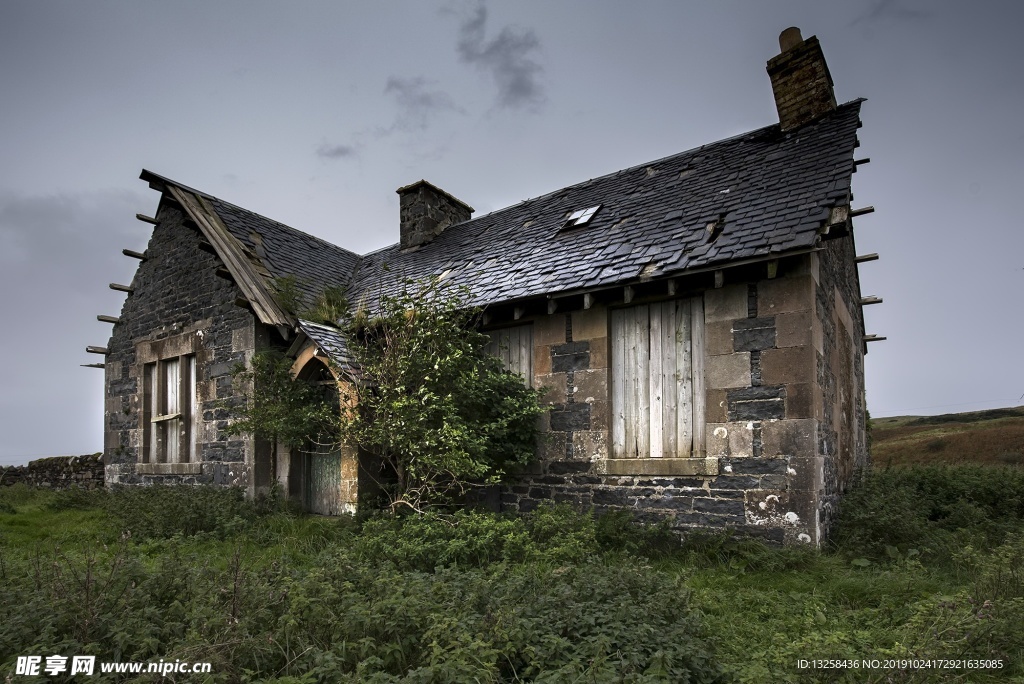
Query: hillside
x=994, y=437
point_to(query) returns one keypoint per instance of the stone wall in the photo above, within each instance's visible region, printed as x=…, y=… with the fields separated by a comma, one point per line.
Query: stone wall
x=762, y=472
x=57, y=472
x=179, y=305
x=842, y=437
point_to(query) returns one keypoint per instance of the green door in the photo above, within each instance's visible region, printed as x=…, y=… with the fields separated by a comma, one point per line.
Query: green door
x=323, y=490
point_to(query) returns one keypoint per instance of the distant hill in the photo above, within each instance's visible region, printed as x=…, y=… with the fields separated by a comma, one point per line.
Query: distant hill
x=995, y=437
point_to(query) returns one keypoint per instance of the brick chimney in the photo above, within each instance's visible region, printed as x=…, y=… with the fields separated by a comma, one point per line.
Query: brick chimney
x=800, y=79
x=425, y=210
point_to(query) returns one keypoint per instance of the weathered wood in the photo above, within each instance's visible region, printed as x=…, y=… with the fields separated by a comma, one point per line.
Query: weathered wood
x=656, y=408
x=697, y=373
x=93, y=365
x=860, y=259
x=108, y=319
x=672, y=285
x=146, y=219
x=97, y=350
x=122, y=288
x=552, y=306
x=517, y=313
x=858, y=162
x=618, y=343
x=719, y=278
x=862, y=211
x=874, y=338
x=684, y=379
x=870, y=300
x=773, y=268
x=588, y=300
x=485, y=317
x=222, y=272
x=627, y=294
x=670, y=377
x=243, y=303
x=134, y=255
x=643, y=375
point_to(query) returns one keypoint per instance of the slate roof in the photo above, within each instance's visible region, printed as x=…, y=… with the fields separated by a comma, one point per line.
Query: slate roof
x=769, y=193
x=753, y=196
x=331, y=341
x=285, y=251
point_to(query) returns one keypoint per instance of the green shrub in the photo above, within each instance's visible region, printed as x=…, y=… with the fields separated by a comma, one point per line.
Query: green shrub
x=161, y=512
x=21, y=494
x=935, y=509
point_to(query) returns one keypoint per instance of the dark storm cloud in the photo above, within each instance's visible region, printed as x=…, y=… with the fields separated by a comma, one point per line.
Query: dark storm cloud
x=326, y=151
x=508, y=58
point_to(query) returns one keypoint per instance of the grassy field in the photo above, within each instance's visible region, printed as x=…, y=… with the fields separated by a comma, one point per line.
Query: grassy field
x=993, y=437
x=928, y=563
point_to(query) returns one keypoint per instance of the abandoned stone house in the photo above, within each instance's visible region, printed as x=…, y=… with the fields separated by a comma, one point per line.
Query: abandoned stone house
x=695, y=323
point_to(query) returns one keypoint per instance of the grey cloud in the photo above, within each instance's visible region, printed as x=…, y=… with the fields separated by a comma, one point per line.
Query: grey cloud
x=416, y=102
x=508, y=58
x=326, y=151
x=887, y=10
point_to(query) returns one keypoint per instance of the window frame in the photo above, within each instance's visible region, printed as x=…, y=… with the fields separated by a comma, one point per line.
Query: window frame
x=169, y=406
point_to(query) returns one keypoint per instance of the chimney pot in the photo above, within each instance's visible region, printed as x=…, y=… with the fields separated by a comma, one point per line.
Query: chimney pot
x=790, y=38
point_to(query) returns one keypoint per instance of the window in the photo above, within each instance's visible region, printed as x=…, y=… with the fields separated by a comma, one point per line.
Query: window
x=169, y=410
x=514, y=346
x=580, y=217
x=658, y=380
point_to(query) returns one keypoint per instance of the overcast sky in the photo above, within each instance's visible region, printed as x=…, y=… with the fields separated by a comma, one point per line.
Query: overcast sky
x=313, y=113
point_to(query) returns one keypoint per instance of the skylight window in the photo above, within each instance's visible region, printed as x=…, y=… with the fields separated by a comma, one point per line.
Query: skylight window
x=580, y=217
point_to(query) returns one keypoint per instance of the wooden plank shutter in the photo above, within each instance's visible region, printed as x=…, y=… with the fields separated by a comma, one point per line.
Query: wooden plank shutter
x=514, y=346
x=658, y=380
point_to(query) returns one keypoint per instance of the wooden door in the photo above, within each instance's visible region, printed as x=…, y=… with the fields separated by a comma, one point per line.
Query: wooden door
x=323, y=482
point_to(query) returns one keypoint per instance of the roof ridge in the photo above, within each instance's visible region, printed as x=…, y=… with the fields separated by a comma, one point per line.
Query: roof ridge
x=147, y=175
x=635, y=167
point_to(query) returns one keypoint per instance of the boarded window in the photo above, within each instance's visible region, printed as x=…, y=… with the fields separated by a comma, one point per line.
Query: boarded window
x=169, y=398
x=658, y=380
x=514, y=346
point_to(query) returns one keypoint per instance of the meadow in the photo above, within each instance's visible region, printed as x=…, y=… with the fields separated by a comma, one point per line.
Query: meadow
x=927, y=563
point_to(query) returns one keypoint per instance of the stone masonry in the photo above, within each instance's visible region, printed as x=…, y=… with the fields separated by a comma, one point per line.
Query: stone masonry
x=179, y=306
x=772, y=408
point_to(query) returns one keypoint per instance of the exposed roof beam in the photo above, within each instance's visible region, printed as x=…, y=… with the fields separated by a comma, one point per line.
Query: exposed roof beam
x=134, y=255
x=862, y=211
x=121, y=288
x=146, y=219
x=861, y=258
x=108, y=319
x=97, y=350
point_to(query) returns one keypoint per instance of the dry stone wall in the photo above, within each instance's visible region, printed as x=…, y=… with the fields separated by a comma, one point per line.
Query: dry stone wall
x=57, y=472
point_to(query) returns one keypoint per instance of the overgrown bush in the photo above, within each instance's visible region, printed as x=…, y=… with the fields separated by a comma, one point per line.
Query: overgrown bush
x=935, y=510
x=162, y=512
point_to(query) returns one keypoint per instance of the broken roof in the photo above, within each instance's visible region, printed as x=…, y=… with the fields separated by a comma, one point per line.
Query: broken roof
x=754, y=196
x=757, y=195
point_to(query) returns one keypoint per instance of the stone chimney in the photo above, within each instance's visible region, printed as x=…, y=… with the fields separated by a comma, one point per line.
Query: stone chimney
x=800, y=79
x=425, y=210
